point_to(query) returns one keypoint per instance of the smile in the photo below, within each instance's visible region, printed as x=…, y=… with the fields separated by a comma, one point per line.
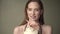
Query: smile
x=33, y=17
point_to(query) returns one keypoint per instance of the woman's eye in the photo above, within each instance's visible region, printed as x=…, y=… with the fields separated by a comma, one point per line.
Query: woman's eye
x=30, y=9
x=36, y=9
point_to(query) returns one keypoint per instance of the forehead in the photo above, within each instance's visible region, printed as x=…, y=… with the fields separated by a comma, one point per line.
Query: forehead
x=33, y=5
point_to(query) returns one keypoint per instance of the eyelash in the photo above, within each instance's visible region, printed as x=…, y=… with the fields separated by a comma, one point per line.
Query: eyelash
x=29, y=9
x=35, y=9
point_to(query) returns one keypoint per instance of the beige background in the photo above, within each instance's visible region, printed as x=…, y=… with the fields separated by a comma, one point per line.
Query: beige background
x=12, y=14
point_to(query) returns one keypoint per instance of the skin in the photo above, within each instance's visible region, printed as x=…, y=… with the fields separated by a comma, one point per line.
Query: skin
x=34, y=13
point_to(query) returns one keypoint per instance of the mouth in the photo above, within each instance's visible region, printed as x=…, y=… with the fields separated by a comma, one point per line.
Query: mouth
x=33, y=17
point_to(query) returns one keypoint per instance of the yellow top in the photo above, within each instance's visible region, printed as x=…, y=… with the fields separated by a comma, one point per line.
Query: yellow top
x=30, y=30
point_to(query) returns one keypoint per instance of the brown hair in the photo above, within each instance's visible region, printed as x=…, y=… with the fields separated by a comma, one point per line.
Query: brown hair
x=41, y=21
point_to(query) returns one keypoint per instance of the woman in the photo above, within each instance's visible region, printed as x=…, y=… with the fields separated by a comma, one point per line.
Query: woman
x=33, y=22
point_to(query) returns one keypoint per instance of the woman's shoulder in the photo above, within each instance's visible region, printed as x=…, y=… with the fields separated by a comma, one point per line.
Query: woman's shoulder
x=47, y=28
x=19, y=28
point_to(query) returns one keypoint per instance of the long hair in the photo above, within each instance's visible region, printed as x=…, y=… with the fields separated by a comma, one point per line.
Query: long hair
x=41, y=20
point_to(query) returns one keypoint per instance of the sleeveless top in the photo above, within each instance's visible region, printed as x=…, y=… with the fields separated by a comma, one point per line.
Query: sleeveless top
x=30, y=30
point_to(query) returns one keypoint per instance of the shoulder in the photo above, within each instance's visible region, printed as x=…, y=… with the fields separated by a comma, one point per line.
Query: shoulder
x=47, y=29
x=18, y=29
x=46, y=26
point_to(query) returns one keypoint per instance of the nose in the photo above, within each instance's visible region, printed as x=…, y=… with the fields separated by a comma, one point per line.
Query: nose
x=33, y=12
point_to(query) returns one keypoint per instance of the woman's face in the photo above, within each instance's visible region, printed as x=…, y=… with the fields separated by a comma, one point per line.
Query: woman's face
x=33, y=11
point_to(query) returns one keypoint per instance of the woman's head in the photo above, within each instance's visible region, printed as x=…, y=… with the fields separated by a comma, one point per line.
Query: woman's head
x=34, y=11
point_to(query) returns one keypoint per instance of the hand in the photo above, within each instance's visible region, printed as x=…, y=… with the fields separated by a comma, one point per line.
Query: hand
x=33, y=24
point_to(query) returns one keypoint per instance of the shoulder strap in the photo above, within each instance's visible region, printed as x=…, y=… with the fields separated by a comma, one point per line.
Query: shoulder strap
x=40, y=30
x=25, y=27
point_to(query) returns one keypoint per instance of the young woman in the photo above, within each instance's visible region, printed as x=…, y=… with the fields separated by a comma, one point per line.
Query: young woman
x=33, y=22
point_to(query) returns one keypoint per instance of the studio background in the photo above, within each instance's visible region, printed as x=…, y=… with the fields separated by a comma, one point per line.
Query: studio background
x=12, y=14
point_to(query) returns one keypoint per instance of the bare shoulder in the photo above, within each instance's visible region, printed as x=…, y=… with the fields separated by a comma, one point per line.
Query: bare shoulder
x=47, y=29
x=46, y=26
x=18, y=29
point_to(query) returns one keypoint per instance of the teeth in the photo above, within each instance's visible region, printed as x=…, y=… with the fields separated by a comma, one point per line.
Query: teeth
x=33, y=16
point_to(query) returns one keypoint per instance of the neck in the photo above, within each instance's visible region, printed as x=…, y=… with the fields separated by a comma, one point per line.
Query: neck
x=36, y=21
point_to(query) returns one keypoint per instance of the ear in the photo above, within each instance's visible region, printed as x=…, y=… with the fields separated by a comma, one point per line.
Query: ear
x=41, y=11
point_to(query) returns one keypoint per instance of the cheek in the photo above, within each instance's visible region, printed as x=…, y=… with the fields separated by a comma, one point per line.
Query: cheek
x=37, y=14
x=29, y=13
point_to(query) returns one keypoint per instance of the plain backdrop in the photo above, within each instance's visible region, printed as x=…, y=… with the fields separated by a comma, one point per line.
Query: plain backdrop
x=12, y=14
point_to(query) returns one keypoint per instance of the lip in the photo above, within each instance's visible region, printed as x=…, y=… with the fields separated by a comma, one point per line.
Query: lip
x=33, y=17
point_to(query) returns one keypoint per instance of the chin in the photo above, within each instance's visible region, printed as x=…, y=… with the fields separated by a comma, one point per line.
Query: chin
x=34, y=19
